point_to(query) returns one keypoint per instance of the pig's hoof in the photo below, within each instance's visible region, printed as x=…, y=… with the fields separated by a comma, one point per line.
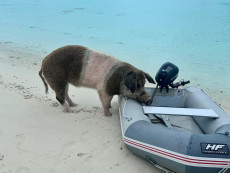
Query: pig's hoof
x=108, y=114
x=68, y=111
x=73, y=104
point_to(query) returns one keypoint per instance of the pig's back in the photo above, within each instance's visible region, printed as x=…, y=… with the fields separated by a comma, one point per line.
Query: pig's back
x=96, y=66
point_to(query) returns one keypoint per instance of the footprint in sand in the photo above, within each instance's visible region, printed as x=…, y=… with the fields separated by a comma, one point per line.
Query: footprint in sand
x=68, y=145
x=22, y=170
x=28, y=96
x=81, y=154
x=45, y=170
x=20, y=139
x=1, y=156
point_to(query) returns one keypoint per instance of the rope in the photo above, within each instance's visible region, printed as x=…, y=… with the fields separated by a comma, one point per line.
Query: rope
x=123, y=110
x=154, y=93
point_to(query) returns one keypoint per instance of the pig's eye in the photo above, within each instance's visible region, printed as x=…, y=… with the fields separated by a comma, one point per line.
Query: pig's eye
x=138, y=85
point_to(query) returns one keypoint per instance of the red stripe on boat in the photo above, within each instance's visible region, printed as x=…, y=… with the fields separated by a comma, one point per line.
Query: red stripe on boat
x=174, y=156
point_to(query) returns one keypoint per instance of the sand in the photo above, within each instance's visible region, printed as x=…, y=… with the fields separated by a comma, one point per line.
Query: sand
x=37, y=137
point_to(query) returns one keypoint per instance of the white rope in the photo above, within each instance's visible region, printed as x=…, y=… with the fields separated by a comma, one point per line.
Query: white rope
x=123, y=110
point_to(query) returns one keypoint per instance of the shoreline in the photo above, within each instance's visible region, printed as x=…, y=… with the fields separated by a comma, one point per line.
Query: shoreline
x=27, y=58
x=42, y=138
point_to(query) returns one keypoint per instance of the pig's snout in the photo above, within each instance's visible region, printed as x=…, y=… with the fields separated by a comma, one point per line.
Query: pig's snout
x=149, y=102
x=145, y=98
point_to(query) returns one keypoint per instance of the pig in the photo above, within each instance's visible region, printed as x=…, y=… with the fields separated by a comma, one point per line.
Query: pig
x=83, y=67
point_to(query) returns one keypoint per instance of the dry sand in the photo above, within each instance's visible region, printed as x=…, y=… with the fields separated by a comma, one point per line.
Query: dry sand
x=37, y=137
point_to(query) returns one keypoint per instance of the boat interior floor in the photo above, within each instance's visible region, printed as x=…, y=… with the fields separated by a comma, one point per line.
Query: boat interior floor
x=182, y=123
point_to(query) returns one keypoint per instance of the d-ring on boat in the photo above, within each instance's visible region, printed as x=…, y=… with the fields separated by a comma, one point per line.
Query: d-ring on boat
x=183, y=130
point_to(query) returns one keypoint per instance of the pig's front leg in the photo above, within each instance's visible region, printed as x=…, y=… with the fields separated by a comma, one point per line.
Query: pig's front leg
x=106, y=102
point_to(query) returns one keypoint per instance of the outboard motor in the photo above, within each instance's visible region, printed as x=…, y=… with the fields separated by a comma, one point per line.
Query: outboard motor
x=166, y=75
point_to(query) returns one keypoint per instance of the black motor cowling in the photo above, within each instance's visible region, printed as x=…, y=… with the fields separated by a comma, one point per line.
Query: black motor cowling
x=167, y=74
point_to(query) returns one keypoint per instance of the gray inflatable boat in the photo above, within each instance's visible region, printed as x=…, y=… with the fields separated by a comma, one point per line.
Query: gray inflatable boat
x=183, y=130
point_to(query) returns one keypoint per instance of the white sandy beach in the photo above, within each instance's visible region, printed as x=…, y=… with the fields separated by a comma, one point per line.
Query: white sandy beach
x=36, y=136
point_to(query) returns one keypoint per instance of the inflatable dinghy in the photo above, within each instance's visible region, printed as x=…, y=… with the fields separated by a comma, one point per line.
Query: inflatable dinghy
x=183, y=130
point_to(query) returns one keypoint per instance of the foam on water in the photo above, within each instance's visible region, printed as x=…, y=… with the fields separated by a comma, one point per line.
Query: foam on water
x=195, y=35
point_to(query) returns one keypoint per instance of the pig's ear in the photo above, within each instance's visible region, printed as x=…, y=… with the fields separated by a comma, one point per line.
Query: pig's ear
x=131, y=81
x=149, y=78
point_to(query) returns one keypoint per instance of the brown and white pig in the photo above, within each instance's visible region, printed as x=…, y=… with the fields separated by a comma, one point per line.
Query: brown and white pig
x=80, y=66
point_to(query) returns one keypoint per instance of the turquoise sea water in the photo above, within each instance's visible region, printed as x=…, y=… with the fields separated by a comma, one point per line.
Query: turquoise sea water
x=193, y=34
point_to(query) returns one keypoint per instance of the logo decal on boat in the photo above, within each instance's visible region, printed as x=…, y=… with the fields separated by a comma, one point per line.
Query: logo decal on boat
x=211, y=148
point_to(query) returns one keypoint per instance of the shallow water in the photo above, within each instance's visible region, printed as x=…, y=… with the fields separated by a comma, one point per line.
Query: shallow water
x=194, y=35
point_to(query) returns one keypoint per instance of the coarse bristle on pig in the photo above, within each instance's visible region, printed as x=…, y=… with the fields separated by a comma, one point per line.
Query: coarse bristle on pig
x=82, y=67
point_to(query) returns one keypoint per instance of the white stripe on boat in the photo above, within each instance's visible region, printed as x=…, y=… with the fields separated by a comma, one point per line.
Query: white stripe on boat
x=178, y=157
